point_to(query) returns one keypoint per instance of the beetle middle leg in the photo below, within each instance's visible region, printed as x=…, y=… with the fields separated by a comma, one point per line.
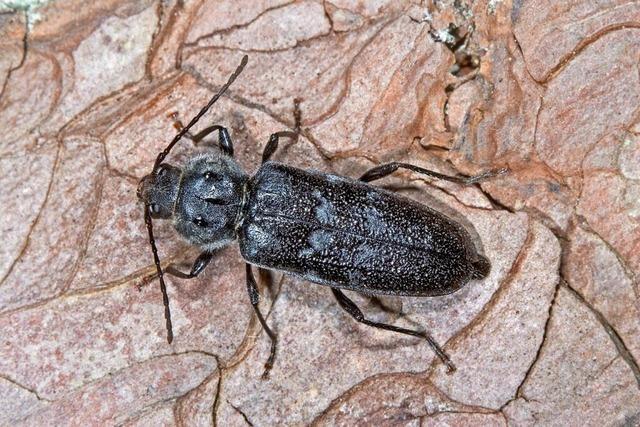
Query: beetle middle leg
x=272, y=145
x=224, y=139
x=385, y=169
x=351, y=308
x=254, y=296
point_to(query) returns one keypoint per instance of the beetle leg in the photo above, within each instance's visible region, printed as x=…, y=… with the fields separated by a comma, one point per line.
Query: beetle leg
x=254, y=296
x=272, y=145
x=351, y=308
x=383, y=170
x=224, y=140
x=198, y=266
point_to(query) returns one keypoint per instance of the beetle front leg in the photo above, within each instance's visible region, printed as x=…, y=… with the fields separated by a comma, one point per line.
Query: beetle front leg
x=351, y=308
x=198, y=266
x=254, y=296
x=388, y=168
x=272, y=145
x=224, y=140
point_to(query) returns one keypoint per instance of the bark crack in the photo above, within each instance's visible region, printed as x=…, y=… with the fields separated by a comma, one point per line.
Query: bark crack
x=298, y=43
x=36, y=220
x=216, y=398
x=157, y=36
x=91, y=224
x=515, y=269
x=233, y=28
x=146, y=274
x=24, y=387
x=347, y=74
x=258, y=107
x=179, y=401
x=326, y=13
x=615, y=337
x=519, y=393
x=582, y=45
x=628, y=271
x=25, y=46
x=354, y=390
x=244, y=416
x=524, y=60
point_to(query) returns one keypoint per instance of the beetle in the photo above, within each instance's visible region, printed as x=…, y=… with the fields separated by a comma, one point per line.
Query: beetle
x=332, y=230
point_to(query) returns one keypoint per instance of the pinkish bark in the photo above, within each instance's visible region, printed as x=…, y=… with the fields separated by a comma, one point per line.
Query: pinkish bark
x=550, y=90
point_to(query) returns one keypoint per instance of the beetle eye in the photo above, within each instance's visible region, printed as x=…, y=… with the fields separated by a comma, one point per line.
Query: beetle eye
x=154, y=208
x=209, y=176
x=199, y=221
x=161, y=170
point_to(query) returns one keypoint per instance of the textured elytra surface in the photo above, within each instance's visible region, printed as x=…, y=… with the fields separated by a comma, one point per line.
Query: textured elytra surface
x=551, y=336
x=343, y=233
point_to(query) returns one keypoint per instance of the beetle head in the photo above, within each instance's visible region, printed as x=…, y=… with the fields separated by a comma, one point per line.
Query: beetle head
x=159, y=190
x=209, y=200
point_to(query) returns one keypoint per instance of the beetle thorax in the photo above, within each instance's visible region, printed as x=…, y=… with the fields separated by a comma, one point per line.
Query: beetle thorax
x=204, y=199
x=209, y=200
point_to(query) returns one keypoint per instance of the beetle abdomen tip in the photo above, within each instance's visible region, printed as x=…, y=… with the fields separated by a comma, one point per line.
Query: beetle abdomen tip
x=481, y=267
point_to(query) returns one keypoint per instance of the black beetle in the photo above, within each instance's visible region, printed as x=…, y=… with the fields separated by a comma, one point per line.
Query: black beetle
x=335, y=231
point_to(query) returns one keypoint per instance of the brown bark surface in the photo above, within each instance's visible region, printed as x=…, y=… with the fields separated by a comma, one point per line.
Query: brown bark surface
x=549, y=89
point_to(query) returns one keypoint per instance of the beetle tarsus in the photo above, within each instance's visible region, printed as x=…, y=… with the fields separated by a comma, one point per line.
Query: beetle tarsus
x=444, y=358
x=267, y=367
x=485, y=176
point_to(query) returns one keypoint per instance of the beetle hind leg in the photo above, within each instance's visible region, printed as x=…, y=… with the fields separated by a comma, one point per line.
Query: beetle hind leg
x=353, y=310
x=385, y=169
x=254, y=296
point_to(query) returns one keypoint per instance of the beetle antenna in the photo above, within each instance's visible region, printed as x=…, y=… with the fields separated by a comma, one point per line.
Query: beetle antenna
x=163, y=287
x=161, y=156
x=202, y=112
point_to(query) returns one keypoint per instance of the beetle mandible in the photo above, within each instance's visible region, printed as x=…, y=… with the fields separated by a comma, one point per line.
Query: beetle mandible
x=331, y=230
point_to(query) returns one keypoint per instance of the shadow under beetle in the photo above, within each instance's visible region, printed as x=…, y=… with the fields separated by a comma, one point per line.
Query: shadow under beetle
x=331, y=230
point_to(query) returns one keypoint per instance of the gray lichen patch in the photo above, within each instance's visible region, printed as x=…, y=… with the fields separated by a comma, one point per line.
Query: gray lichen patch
x=28, y=6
